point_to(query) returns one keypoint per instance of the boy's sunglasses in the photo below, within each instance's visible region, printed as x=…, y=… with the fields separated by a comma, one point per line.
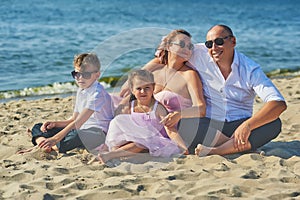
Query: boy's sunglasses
x=85, y=75
x=182, y=44
x=217, y=41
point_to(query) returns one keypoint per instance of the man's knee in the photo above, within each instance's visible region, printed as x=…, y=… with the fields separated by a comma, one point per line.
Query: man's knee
x=265, y=134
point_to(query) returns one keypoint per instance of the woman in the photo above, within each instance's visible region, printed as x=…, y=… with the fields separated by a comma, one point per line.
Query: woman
x=178, y=87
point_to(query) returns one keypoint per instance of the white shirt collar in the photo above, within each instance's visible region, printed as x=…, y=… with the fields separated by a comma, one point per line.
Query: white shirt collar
x=91, y=88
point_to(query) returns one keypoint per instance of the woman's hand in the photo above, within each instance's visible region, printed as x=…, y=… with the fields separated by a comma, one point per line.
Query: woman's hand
x=125, y=90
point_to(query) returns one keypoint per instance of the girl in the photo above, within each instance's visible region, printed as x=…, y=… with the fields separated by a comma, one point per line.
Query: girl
x=137, y=126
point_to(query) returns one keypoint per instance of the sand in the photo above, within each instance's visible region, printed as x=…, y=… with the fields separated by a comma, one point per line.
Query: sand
x=36, y=175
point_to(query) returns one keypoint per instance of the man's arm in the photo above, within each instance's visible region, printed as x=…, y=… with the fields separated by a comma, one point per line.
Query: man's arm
x=268, y=113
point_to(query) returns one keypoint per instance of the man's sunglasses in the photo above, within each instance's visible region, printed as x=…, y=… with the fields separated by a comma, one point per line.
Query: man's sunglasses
x=182, y=44
x=85, y=75
x=217, y=41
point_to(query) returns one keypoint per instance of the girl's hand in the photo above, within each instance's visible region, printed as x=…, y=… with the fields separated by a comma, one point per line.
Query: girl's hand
x=171, y=119
x=186, y=152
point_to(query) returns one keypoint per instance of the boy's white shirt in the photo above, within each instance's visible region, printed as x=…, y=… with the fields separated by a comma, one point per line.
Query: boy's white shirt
x=97, y=99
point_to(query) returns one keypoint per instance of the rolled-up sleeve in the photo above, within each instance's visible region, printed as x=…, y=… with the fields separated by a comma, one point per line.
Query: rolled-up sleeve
x=264, y=87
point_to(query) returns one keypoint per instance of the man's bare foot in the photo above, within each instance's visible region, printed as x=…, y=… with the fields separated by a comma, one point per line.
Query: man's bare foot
x=202, y=150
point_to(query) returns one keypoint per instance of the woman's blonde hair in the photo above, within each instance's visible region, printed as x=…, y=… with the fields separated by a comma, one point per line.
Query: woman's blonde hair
x=163, y=46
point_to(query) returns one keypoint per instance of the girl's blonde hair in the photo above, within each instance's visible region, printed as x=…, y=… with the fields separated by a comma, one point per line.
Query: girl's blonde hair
x=141, y=74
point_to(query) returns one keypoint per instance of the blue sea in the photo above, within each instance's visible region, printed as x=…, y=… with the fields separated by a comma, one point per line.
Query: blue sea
x=39, y=38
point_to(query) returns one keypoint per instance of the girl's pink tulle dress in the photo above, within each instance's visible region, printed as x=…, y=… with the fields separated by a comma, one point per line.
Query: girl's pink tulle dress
x=143, y=129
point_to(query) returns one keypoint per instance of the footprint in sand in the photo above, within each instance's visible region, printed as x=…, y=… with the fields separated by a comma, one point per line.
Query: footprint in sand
x=251, y=175
x=61, y=170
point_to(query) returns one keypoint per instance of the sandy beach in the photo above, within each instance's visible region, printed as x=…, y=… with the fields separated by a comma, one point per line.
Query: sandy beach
x=274, y=174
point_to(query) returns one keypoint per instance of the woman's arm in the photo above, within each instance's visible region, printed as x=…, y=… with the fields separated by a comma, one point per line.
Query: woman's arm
x=195, y=89
x=153, y=65
x=198, y=108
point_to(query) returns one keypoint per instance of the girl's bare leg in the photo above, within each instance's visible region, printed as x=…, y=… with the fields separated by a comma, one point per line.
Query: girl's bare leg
x=129, y=149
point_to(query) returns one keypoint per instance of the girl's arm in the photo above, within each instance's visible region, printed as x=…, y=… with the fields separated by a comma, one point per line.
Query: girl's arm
x=171, y=131
x=175, y=136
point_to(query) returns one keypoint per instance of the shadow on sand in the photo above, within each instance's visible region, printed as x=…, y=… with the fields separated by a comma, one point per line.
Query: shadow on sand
x=282, y=149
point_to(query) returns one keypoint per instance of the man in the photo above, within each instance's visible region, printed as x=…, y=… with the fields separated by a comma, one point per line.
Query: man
x=230, y=83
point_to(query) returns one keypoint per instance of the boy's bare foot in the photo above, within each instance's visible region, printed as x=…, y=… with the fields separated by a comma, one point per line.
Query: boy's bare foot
x=202, y=150
x=22, y=151
x=29, y=132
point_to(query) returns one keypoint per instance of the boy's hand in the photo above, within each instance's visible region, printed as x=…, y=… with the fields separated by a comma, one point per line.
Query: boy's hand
x=47, y=143
x=46, y=126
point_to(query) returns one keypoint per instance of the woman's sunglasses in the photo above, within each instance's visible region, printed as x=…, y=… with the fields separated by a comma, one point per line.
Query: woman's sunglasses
x=85, y=75
x=182, y=44
x=217, y=41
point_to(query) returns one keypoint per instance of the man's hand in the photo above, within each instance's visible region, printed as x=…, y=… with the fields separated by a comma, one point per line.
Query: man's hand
x=241, y=136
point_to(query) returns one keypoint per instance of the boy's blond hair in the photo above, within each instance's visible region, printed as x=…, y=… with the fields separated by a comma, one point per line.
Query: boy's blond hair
x=81, y=60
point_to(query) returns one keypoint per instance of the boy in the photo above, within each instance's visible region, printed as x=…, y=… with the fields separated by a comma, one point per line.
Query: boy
x=92, y=113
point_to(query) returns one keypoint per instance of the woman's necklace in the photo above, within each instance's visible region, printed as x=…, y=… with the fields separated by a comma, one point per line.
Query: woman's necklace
x=170, y=77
